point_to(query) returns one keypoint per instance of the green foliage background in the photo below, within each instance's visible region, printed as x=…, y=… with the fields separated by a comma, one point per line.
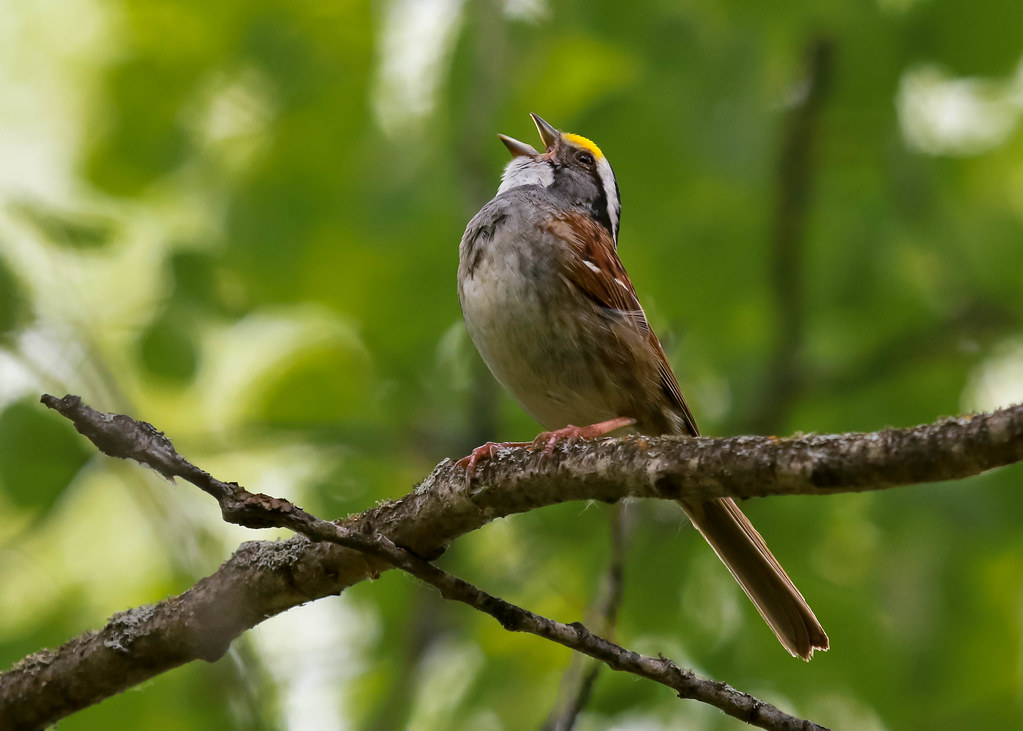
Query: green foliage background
x=239, y=221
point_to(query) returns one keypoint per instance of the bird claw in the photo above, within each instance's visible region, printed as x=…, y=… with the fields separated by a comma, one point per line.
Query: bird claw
x=545, y=443
x=481, y=454
x=548, y=440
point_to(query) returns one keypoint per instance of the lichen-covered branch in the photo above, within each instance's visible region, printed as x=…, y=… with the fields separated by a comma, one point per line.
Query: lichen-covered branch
x=263, y=579
x=124, y=437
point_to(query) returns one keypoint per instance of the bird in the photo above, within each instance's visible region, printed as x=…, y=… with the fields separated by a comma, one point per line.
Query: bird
x=549, y=306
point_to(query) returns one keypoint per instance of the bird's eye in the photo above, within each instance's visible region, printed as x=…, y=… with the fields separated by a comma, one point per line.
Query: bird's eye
x=584, y=158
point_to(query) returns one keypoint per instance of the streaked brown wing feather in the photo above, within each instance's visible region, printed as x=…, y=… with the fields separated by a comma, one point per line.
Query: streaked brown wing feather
x=594, y=267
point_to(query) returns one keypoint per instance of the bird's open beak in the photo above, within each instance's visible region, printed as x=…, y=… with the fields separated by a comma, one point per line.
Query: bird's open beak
x=548, y=134
x=517, y=148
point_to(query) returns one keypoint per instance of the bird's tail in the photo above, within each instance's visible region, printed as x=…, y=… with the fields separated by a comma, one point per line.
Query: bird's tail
x=739, y=545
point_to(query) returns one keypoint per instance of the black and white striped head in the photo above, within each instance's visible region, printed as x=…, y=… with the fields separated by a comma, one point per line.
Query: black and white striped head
x=571, y=167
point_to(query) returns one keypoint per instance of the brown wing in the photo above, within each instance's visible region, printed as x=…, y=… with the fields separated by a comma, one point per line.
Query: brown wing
x=594, y=267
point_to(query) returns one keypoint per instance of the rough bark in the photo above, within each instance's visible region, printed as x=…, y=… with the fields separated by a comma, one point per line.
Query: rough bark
x=263, y=579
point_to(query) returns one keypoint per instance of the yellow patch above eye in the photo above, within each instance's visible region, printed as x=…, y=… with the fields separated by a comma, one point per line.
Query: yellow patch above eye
x=583, y=142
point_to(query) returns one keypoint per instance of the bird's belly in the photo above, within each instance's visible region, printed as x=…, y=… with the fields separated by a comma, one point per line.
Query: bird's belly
x=545, y=362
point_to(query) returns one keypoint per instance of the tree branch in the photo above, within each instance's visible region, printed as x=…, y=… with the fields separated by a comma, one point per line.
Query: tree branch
x=121, y=436
x=263, y=579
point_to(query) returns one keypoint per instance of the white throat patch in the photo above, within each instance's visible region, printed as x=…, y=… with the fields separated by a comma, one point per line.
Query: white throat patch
x=523, y=170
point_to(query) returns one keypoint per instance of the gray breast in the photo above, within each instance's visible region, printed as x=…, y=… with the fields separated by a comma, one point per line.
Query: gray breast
x=512, y=292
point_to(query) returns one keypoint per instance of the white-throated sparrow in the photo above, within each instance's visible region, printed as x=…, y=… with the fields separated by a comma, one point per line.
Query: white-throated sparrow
x=550, y=308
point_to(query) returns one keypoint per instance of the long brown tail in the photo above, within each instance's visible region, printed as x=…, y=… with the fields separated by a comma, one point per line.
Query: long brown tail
x=744, y=552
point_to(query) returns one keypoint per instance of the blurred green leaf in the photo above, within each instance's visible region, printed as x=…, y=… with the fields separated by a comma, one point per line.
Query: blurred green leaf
x=40, y=453
x=11, y=303
x=332, y=384
x=146, y=138
x=196, y=279
x=74, y=230
x=167, y=348
x=937, y=29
